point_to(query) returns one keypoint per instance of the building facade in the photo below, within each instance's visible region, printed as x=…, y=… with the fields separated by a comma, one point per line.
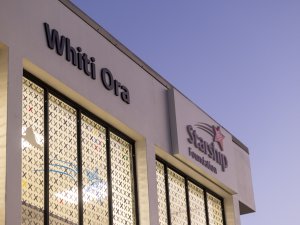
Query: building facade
x=90, y=134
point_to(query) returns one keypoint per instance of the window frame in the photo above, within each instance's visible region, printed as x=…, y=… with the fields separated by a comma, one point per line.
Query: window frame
x=108, y=128
x=187, y=179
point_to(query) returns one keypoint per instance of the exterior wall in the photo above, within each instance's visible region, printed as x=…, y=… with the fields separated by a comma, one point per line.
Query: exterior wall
x=145, y=119
x=186, y=113
x=244, y=179
x=3, y=127
x=236, y=177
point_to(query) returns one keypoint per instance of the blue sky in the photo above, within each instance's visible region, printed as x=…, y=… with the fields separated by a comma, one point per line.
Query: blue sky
x=240, y=62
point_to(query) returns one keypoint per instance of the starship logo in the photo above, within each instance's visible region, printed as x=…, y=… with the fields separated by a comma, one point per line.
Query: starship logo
x=213, y=131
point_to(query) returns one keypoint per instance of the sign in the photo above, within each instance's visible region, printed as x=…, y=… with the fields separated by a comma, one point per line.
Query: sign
x=198, y=140
x=204, y=151
x=82, y=61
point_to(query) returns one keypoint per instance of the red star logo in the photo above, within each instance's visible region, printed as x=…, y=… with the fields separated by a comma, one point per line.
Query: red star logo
x=219, y=137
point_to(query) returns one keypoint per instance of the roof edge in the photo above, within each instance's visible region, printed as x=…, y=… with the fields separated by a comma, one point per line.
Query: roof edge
x=99, y=29
x=93, y=24
x=240, y=144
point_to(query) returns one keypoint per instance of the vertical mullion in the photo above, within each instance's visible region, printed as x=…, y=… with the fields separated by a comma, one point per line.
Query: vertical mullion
x=187, y=201
x=109, y=182
x=167, y=194
x=46, y=157
x=79, y=166
x=223, y=212
x=206, y=208
x=135, y=184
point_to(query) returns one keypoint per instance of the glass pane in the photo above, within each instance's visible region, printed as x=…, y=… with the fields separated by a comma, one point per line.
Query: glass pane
x=214, y=210
x=122, y=181
x=63, y=173
x=197, y=205
x=161, y=194
x=94, y=173
x=177, y=198
x=32, y=154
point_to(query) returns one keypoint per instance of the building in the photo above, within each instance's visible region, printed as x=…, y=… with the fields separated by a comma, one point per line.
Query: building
x=90, y=134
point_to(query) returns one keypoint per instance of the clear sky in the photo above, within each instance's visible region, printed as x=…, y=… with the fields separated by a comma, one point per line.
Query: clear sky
x=240, y=62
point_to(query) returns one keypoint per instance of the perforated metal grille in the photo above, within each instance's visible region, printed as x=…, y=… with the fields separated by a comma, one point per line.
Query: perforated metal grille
x=63, y=150
x=32, y=154
x=94, y=167
x=32, y=215
x=63, y=172
x=161, y=194
x=214, y=210
x=122, y=181
x=197, y=205
x=177, y=198
x=173, y=205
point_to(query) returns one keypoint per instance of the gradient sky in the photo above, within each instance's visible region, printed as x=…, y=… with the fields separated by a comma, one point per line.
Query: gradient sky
x=240, y=62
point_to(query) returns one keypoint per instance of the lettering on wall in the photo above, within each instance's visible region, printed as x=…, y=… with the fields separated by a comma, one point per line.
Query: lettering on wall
x=204, y=151
x=82, y=61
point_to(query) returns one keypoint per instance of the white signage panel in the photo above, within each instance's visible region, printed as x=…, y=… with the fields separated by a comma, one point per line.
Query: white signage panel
x=201, y=142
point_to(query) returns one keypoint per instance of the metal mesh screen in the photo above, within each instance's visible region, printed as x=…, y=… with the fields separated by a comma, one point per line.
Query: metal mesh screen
x=197, y=204
x=63, y=149
x=94, y=172
x=63, y=172
x=177, y=196
x=173, y=204
x=32, y=153
x=122, y=181
x=161, y=194
x=214, y=210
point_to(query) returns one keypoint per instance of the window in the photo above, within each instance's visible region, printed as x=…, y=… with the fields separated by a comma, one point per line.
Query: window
x=161, y=193
x=76, y=169
x=177, y=198
x=183, y=201
x=214, y=206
